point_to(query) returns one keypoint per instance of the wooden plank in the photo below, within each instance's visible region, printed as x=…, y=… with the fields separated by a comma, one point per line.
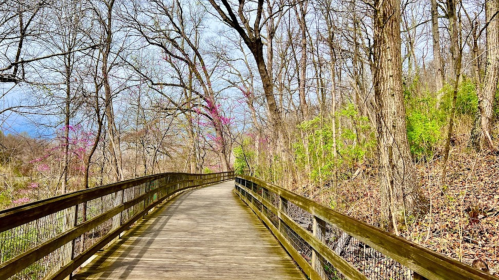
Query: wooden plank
x=318, y=230
x=32, y=255
x=203, y=234
x=425, y=262
x=304, y=265
x=339, y=263
x=80, y=259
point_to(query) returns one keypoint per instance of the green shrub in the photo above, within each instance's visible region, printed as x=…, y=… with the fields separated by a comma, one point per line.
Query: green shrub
x=424, y=123
x=242, y=158
x=206, y=170
x=4, y=200
x=467, y=100
x=314, y=148
x=423, y=133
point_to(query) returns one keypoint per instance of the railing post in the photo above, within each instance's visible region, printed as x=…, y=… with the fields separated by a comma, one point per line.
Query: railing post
x=283, y=209
x=147, y=189
x=121, y=213
x=258, y=190
x=319, y=231
x=252, y=198
x=246, y=193
x=73, y=242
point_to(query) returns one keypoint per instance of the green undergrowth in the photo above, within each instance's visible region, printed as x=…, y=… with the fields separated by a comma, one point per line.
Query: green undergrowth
x=427, y=121
x=314, y=148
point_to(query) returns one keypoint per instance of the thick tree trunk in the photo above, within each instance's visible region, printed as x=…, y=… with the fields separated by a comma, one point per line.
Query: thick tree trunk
x=399, y=192
x=481, y=133
x=268, y=88
x=223, y=153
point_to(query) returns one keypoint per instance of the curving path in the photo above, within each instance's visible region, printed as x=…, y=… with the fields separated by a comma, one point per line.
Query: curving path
x=206, y=233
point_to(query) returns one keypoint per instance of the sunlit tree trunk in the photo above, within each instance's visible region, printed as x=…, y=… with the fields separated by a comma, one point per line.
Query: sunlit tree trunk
x=114, y=140
x=399, y=192
x=481, y=133
x=437, y=56
x=457, y=55
x=301, y=13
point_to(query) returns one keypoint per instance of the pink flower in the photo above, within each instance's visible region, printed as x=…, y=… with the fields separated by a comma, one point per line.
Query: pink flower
x=33, y=185
x=21, y=201
x=43, y=167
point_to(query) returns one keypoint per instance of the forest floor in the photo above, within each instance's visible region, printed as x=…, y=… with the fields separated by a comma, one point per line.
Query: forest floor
x=462, y=221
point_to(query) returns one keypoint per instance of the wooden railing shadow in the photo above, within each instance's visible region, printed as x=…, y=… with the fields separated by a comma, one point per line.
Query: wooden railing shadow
x=340, y=247
x=157, y=223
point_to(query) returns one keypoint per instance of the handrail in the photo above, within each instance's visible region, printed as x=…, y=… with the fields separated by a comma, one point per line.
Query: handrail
x=393, y=258
x=51, y=238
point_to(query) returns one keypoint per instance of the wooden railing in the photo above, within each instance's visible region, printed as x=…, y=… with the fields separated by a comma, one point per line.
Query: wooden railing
x=51, y=238
x=340, y=247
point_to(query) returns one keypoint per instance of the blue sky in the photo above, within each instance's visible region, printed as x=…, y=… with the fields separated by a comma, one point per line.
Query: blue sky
x=14, y=123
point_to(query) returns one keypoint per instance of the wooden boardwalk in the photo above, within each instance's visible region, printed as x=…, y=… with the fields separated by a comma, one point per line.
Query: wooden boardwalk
x=202, y=234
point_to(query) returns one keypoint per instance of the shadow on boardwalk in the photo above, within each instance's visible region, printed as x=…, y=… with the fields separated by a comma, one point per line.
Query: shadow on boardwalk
x=203, y=234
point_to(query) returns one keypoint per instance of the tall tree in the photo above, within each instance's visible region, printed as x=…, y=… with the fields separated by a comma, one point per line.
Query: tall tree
x=181, y=48
x=399, y=192
x=68, y=20
x=301, y=10
x=253, y=38
x=104, y=15
x=456, y=51
x=437, y=55
x=481, y=133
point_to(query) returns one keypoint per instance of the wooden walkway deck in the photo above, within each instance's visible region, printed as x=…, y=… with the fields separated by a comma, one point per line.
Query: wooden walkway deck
x=202, y=234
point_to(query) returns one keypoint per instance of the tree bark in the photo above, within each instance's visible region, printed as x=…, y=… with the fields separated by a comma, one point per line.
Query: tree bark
x=253, y=39
x=113, y=137
x=481, y=133
x=437, y=56
x=457, y=55
x=301, y=13
x=67, y=116
x=399, y=192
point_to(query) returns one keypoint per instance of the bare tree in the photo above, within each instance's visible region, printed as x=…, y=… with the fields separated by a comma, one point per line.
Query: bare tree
x=437, y=56
x=301, y=12
x=456, y=51
x=181, y=47
x=481, y=133
x=104, y=11
x=253, y=38
x=399, y=192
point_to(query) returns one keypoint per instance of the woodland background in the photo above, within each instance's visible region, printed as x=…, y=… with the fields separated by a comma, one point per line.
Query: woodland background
x=327, y=98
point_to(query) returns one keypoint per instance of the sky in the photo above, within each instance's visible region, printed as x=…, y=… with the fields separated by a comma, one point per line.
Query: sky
x=15, y=123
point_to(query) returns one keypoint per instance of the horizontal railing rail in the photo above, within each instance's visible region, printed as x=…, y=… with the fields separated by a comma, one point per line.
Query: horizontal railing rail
x=49, y=239
x=329, y=245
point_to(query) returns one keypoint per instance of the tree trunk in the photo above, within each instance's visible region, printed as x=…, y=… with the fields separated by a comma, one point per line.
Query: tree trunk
x=113, y=137
x=399, y=192
x=481, y=133
x=457, y=55
x=437, y=56
x=301, y=12
x=67, y=116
